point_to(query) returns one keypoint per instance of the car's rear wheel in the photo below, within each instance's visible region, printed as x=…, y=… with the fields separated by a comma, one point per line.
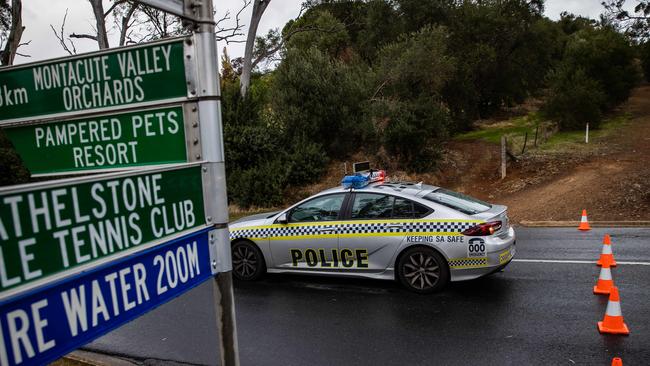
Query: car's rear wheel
x=247, y=261
x=422, y=270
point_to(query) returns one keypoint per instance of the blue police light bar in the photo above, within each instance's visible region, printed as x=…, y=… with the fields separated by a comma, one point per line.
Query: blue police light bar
x=355, y=181
x=360, y=180
x=42, y=325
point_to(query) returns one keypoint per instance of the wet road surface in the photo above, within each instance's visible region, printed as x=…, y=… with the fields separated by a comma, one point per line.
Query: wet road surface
x=537, y=311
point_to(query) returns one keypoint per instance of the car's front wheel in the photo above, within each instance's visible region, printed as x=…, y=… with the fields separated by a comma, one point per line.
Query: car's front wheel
x=247, y=261
x=422, y=270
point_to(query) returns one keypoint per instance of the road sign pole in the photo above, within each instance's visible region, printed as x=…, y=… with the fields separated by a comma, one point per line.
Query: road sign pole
x=216, y=206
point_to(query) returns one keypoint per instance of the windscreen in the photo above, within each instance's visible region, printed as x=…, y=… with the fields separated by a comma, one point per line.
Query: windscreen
x=458, y=201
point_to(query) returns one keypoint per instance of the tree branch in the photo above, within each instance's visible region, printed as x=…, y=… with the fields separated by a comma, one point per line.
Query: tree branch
x=259, y=6
x=98, y=11
x=115, y=4
x=234, y=31
x=87, y=36
x=61, y=37
x=125, y=23
x=15, y=34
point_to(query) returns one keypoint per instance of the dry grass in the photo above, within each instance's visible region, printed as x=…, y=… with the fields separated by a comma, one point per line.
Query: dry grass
x=67, y=362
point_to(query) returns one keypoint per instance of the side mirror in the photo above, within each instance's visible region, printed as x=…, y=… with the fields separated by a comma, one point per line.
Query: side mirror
x=282, y=219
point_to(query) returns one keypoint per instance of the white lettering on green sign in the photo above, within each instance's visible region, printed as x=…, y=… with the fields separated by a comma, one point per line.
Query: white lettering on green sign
x=46, y=231
x=103, y=142
x=106, y=79
x=86, y=83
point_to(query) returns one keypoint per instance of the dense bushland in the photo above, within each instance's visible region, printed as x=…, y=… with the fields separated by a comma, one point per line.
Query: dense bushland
x=395, y=79
x=398, y=78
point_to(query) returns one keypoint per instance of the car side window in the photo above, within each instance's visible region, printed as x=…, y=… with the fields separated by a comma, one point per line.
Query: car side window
x=325, y=208
x=372, y=206
x=420, y=210
x=402, y=209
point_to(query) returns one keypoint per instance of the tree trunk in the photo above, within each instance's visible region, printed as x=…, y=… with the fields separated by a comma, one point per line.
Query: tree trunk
x=98, y=10
x=16, y=32
x=245, y=80
x=125, y=23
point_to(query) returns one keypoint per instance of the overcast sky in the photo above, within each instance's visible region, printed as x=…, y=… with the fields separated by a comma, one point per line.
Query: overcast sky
x=39, y=14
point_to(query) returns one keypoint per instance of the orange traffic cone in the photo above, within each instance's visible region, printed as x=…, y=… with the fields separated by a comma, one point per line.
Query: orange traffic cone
x=606, y=255
x=605, y=281
x=584, y=224
x=613, y=321
x=616, y=361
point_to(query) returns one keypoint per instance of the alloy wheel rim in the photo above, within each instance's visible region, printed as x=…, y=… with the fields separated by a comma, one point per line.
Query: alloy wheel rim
x=421, y=271
x=244, y=261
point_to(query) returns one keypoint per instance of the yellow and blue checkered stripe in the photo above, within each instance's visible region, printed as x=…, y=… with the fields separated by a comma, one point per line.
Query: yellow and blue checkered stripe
x=465, y=263
x=352, y=229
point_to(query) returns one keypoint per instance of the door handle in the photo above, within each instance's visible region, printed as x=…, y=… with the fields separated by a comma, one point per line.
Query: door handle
x=329, y=230
x=394, y=226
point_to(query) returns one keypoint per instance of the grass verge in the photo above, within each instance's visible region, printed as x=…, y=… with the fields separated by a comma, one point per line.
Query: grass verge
x=542, y=136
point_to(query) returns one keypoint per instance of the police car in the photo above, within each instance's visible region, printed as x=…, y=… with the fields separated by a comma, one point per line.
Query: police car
x=421, y=235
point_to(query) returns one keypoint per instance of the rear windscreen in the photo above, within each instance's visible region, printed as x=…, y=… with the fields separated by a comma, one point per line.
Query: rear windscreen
x=458, y=201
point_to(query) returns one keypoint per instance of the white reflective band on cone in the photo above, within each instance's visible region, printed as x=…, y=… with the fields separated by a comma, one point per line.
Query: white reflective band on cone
x=613, y=309
x=607, y=249
x=605, y=274
x=583, y=219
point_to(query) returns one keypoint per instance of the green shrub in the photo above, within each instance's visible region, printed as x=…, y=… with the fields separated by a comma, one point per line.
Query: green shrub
x=597, y=73
x=322, y=100
x=413, y=132
x=262, y=160
x=606, y=56
x=262, y=185
x=12, y=170
x=409, y=113
x=574, y=99
x=644, y=53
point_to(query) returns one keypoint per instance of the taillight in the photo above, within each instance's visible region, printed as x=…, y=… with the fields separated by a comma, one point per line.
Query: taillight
x=485, y=229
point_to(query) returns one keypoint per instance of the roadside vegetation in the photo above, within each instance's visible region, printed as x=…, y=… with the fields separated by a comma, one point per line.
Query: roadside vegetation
x=394, y=80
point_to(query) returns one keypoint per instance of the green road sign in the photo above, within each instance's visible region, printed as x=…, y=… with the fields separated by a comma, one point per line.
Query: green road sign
x=49, y=230
x=111, y=141
x=99, y=81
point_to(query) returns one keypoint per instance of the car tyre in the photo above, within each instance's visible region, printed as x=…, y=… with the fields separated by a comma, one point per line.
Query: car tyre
x=422, y=270
x=247, y=261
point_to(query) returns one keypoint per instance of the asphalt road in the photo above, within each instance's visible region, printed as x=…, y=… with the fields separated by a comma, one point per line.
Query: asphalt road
x=533, y=313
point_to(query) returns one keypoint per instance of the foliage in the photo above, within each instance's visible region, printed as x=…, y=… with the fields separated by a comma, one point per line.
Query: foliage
x=400, y=77
x=412, y=131
x=644, y=55
x=5, y=16
x=571, y=23
x=12, y=170
x=322, y=100
x=377, y=30
x=636, y=24
x=5, y=23
x=597, y=72
x=606, y=56
x=261, y=162
x=328, y=34
x=502, y=48
x=408, y=104
x=575, y=99
x=404, y=67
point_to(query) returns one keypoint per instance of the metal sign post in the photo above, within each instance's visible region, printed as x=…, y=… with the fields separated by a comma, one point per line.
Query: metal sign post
x=213, y=154
x=75, y=249
x=200, y=12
